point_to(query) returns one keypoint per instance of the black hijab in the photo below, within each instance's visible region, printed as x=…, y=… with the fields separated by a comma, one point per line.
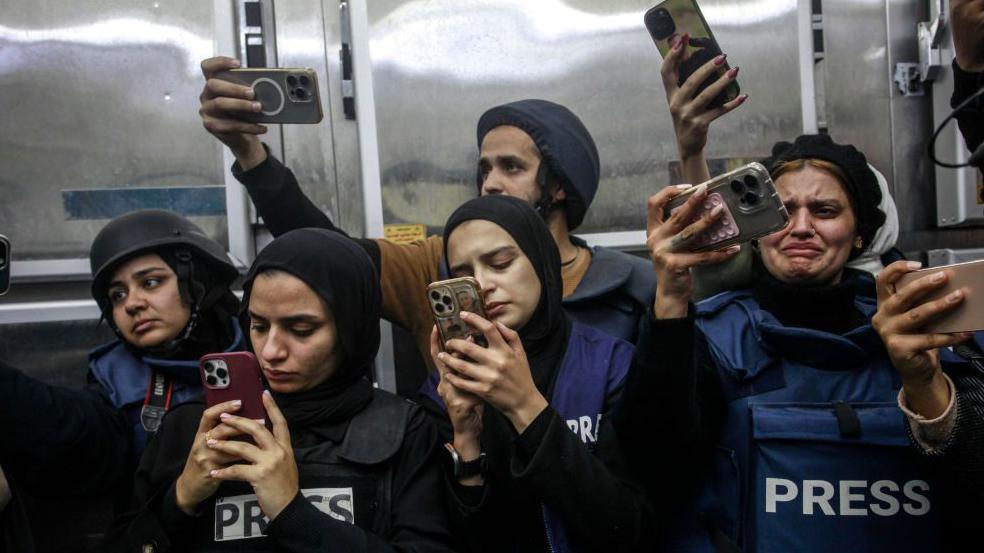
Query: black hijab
x=341, y=273
x=545, y=335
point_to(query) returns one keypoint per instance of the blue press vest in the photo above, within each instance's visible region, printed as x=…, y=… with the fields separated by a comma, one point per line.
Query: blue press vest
x=125, y=377
x=594, y=365
x=787, y=473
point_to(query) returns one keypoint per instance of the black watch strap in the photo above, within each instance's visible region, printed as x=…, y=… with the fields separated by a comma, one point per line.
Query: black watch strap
x=466, y=469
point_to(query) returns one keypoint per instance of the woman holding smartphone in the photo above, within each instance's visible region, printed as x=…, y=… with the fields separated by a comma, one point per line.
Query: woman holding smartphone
x=163, y=287
x=533, y=463
x=779, y=400
x=346, y=467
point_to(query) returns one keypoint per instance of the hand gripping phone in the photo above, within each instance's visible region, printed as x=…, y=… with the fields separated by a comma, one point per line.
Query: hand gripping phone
x=448, y=298
x=969, y=314
x=287, y=95
x=234, y=375
x=752, y=208
x=671, y=18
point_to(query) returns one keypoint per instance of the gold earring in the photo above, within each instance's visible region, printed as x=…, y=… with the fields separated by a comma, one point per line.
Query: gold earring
x=858, y=243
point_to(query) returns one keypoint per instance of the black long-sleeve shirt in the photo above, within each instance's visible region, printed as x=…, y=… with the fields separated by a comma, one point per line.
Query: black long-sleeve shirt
x=596, y=495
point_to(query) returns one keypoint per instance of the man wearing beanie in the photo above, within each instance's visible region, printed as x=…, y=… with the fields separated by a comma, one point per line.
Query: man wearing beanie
x=533, y=149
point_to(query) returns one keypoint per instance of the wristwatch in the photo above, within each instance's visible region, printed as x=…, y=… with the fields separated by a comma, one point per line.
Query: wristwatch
x=466, y=469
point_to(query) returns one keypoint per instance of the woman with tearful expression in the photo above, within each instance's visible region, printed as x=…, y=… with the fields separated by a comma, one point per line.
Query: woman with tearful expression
x=778, y=401
x=346, y=467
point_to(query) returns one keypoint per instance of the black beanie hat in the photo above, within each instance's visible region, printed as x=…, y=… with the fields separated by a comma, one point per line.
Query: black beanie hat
x=565, y=145
x=861, y=185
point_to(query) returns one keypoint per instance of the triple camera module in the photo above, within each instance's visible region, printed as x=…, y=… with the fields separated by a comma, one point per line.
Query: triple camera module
x=442, y=301
x=748, y=189
x=216, y=373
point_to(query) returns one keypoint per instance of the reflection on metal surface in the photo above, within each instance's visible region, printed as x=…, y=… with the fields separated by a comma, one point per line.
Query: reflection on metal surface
x=438, y=64
x=117, y=33
x=104, y=96
x=410, y=34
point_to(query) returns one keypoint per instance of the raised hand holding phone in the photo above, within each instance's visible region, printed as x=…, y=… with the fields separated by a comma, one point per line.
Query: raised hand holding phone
x=498, y=374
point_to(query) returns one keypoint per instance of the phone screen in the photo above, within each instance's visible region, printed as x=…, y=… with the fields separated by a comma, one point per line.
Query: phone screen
x=4, y=264
x=672, y=18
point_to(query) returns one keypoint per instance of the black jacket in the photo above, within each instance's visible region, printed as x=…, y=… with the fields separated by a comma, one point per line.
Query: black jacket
x=971, y=118
x=381, y=474
x=45, y=426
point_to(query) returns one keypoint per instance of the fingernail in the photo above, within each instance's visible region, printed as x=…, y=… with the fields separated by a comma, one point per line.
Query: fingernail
x=256, y=106
x=249, y=93
x=213, y=472
x=237, y=63
x=720, y=59
x=683, y=186
x=442, y=355
x=267, y=393
x=733, y=72
x=701, y=190
x=938, y=277
x=212, y=442
x=734, y=248
x=464, y=314
x=913, y=265
x=236, y=403
x=717, y=209
x=954, y=297
x=743, y=97
x=224, y=416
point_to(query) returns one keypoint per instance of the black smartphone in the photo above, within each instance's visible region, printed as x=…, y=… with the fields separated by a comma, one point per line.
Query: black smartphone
x=4, y=264
x=669, y=19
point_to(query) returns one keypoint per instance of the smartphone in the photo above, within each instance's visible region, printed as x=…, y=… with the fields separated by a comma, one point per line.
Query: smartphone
x=752, y=208
x=288, y=95
x=671, y=18
x=969, y=314
x=4, y=264
x=234, y=375
x=448, y=298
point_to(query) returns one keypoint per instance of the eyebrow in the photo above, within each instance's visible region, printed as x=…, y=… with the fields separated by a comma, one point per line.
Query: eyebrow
x=136, y=275
x=293, y=319
x=485, y=257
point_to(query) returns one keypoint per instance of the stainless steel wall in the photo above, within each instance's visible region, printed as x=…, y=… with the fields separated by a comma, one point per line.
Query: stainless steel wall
x=98, y=95
x=863, y=42
x=438, y=64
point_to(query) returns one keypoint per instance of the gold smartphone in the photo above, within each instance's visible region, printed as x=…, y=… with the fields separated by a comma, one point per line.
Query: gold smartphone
x=448, y=298
x=969, y=314
x=288, y=95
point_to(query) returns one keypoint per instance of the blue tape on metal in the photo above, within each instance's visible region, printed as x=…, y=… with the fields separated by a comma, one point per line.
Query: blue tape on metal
x=106, y=203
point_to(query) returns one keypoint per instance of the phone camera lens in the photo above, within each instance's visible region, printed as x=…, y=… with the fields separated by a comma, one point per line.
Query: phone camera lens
x=439, y=307
x=222, y=373
x=300, y=93
x=435, y=295
x=291, y=80
x=211, y=380
x=304, y=80
x=751, y=181
x=750, y=198
x=446, y=300
x=737, y=186
x=209, y=367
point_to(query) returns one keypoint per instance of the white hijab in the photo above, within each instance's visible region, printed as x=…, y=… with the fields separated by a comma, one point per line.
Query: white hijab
x=887, y=235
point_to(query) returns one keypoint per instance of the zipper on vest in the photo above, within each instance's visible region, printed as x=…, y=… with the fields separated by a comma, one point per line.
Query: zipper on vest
x=546, y=528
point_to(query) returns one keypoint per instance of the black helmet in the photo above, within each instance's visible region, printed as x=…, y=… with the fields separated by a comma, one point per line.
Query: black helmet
x=147, y=230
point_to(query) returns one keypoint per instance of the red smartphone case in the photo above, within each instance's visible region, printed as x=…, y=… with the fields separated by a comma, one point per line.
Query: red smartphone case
x=234, y=375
